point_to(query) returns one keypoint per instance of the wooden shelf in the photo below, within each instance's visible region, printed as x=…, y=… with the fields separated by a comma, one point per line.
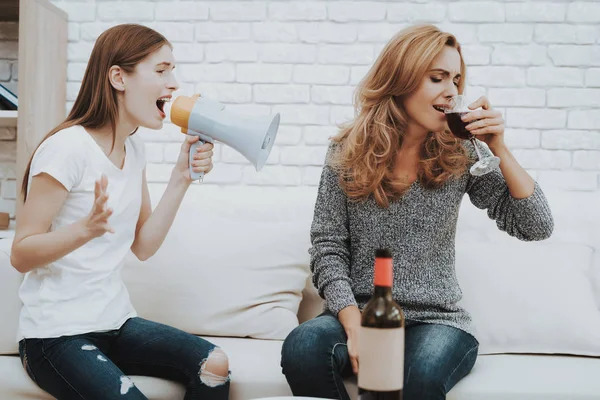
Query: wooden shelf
x=8, y=118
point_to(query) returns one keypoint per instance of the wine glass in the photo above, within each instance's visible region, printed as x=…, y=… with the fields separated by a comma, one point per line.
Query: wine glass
x=458, y=107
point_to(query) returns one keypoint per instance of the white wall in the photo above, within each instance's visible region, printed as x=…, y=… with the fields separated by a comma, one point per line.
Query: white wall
x=539, y=62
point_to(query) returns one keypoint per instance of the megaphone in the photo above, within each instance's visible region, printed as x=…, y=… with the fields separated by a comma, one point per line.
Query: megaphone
x=251, y=136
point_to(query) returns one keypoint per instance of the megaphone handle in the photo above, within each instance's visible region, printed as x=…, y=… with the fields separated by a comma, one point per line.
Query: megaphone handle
x=195, y=175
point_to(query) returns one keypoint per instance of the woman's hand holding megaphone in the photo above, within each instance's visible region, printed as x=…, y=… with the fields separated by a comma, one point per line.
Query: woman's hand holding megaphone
x=253, y=137
x=202, y=160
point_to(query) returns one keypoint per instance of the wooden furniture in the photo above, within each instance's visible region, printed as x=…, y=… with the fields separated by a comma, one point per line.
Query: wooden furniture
x=42, y=86
x=8, y=118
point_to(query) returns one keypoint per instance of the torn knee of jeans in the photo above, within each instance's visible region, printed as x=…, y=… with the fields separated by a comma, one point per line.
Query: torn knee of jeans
x=214, y=370
x=126, y=384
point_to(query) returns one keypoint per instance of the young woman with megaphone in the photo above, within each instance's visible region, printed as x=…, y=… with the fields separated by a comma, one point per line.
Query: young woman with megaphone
x=86, y=205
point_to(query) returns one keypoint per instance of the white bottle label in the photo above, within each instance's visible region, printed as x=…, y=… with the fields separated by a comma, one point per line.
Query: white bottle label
x=381, y=359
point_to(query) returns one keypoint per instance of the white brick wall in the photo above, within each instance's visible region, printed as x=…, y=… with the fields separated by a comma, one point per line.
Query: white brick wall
x=539, y=62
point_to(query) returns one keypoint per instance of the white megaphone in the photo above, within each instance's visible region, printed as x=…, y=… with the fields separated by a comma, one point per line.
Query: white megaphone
x=251, y=136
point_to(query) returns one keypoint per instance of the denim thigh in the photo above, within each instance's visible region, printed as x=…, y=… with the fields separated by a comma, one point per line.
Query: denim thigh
x=436, y=358
x=76, y=367
x=314, y=358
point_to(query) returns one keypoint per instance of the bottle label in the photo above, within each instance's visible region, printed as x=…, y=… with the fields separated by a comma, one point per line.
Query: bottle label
x=381, y=359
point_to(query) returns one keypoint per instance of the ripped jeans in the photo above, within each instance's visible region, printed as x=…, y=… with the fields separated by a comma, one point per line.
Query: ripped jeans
x=96, y=365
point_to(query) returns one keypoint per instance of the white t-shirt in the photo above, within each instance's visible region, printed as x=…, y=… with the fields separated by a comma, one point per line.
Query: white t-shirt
x=83, y=291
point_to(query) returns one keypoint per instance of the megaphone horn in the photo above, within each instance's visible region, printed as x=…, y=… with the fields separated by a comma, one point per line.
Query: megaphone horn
x=251, y=136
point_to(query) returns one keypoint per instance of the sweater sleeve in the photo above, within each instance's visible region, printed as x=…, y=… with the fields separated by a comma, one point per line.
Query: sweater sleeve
x=528, y=219
x=330, y=239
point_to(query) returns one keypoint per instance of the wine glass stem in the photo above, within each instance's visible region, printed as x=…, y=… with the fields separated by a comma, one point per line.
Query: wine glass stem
x=479, y=157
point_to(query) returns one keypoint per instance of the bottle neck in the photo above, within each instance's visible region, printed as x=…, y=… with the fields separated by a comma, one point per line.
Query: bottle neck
x=383, y=291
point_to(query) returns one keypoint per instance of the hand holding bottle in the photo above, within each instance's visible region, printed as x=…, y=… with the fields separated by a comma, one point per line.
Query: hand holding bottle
x=350, y=320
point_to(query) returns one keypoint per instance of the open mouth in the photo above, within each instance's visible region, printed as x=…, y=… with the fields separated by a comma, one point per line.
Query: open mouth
x=440, y=108
x=160, y=103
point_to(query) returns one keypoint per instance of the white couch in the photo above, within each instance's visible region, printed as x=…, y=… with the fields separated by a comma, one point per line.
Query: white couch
x=235, y=264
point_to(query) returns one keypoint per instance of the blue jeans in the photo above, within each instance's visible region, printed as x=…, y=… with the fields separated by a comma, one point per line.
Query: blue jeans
x=315, y=359
x=95, y=365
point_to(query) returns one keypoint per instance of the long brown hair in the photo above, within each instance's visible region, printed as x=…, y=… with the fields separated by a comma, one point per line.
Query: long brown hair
x=367, y=145
x=96, y=105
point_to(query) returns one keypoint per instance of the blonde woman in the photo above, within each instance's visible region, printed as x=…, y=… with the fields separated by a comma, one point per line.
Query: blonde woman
x=395, y=177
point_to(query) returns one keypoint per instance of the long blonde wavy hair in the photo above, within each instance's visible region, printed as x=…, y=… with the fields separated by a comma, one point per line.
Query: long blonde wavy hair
x=365, y=155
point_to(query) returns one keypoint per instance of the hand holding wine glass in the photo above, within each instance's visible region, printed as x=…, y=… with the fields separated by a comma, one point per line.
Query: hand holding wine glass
x=486, y=125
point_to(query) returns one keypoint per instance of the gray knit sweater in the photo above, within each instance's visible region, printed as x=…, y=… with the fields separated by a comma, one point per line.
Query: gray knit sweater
x=420, y=230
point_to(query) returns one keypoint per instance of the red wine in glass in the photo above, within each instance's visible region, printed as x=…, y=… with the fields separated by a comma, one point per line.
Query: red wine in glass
x=457, y=126
x=458, y=107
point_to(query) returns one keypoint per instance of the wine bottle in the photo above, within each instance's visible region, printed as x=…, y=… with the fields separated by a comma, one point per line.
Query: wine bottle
x=381, y=338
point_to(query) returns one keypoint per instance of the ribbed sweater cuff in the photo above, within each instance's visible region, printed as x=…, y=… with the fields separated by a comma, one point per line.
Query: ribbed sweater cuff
x=338, y=295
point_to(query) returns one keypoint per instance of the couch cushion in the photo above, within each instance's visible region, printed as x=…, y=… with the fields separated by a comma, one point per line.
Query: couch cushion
x=530, y=377
x=234, y=263
x=530, y=297
x=596, y=276
x=536, y=297
x=10, y=304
